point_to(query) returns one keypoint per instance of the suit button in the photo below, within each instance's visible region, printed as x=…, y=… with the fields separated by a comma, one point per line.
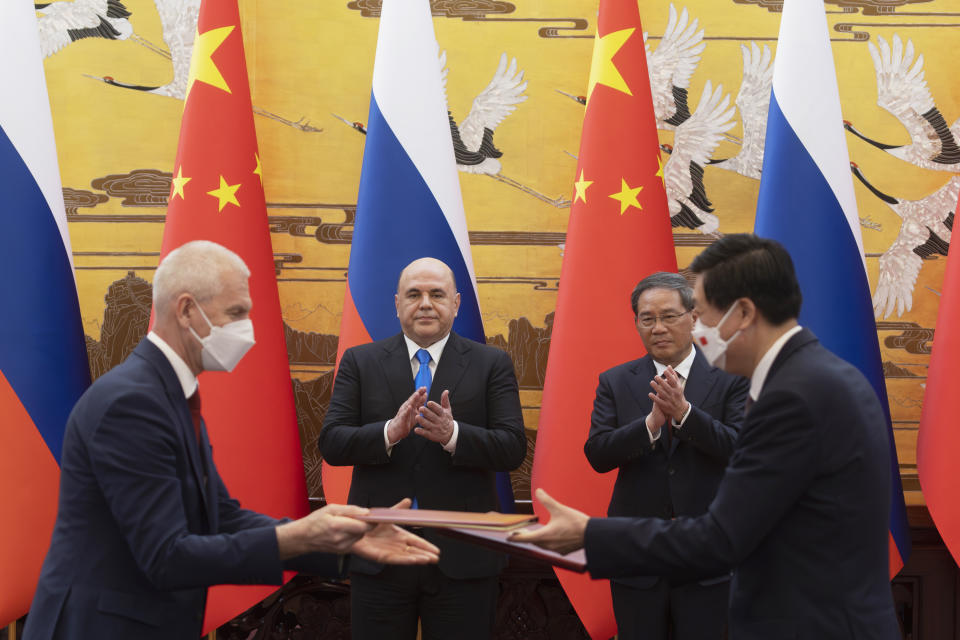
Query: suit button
x=672, y=471
x=416, y=467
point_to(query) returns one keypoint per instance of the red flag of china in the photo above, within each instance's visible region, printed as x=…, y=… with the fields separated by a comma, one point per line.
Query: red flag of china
x=619, y=232
x=217, y=194
x=938, y=443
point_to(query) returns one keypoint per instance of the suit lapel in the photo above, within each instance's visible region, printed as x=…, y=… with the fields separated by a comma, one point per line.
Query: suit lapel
x=174, y=392
x=453, y=364
x=642, y=372
x=697, y=387
x=700, y=381
x=397, y=370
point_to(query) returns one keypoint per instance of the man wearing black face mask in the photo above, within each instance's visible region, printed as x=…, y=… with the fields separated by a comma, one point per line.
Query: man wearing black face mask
x=801, y=514
x=145, y=523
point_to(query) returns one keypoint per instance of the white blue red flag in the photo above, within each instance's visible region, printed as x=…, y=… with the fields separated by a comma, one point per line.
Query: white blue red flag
x=409, y=205
x=807, y=203
x=43, y=357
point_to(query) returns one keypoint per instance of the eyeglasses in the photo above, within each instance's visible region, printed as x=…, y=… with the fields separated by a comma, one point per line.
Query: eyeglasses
x=668, y=320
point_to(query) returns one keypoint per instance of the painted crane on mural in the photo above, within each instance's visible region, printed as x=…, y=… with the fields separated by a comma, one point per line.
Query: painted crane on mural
x=61, y=23
x=473, y=138
x=753, y=101
x=695, y=140
x=671, y=66
x=926, y=224
x=926, y=228
x=902, y=91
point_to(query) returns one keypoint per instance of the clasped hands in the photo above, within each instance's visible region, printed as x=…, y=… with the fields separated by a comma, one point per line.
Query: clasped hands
x=333, y=529
x=427, y=419
x=668, y=400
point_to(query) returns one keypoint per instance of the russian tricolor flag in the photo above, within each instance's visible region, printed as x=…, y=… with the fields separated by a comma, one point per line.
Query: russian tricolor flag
x=43, y=358
x=807, y=203
x=409, y=205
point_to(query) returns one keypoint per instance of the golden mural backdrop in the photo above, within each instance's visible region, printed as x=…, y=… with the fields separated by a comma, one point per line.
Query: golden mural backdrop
x=116, y=84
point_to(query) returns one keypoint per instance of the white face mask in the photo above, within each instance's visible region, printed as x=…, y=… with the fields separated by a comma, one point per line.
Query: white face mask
x=225, y=346
x=714, y=347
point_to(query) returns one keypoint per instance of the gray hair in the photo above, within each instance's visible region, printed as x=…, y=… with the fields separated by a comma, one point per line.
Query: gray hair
x=196, y=268
x=664, y=280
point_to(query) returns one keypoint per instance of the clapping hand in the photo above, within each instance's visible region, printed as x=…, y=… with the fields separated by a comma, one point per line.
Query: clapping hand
x=668, y=395
x=435, y=421
x=406, y=418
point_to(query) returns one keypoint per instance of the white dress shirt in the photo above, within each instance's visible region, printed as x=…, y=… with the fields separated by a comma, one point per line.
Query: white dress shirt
x=436, y=351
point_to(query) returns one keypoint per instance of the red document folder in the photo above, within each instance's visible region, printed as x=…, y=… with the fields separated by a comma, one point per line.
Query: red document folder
x=497, y=540
x=485, y=529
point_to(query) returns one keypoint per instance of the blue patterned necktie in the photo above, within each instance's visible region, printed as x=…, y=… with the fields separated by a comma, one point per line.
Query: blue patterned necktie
x=423, y=378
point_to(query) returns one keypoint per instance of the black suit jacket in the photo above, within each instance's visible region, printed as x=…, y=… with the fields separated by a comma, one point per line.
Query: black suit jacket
x=677, y=476
x=372, y=382
x=144, y=522
x=801, y=514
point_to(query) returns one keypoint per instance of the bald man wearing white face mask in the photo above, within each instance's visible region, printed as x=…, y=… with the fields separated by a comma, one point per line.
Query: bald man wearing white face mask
x=145, y=523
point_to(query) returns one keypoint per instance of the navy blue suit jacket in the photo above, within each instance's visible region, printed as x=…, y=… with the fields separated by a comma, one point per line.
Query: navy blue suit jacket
x=679, y=474
x=372, y=382
x=801, y=513
x=144, y=522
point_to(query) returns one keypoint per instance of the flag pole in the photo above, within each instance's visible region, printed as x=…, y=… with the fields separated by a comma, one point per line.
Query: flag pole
x=12, y=631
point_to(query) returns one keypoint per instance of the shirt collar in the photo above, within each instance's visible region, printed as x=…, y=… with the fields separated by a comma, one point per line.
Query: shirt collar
x=188, y=381
x=683, y=368
x=759, y=375
x=435, y=350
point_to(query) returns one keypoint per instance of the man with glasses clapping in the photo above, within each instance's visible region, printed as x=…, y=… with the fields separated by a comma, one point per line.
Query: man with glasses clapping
x=667, y=422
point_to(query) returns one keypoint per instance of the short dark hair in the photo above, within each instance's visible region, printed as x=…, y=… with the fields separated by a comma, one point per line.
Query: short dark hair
x=663, y=280
x=742, y=265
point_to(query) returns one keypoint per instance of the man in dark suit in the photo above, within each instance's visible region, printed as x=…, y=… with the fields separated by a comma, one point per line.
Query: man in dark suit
x=671, y=446
x=145, y=523
x=802, y=512
x=430, y=415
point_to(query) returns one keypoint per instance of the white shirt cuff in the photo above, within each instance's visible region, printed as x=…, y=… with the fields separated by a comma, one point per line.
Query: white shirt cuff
x=676, y=424
x=650, y=433
x=386, y=438
x=451, y=446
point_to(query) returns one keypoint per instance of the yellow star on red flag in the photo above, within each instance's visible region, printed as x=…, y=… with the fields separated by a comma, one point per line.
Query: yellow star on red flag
x=202, y=66
x=581, y=186
x=602, y=68
x=178, y=183
x=627, y=196
x=225, y=194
